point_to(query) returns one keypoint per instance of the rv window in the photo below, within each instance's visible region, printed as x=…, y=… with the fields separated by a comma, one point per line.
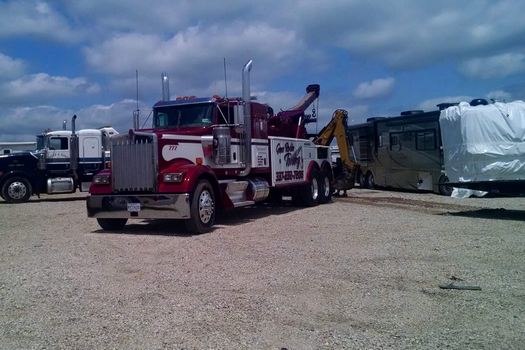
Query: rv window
x=426, y=140
x=395, y=144
x=57, y=143
x=394, y=140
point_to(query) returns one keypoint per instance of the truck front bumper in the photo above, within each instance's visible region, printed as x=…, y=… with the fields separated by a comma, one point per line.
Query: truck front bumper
x=159, y=206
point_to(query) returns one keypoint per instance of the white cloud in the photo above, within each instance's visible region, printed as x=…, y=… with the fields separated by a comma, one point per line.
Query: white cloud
x=118, y=114
x=374, y=88
x=23, y=123
x=9, y=67
x=195, y=54
x=409, y=33
x=500, y=96
x=497, y=66
x=42, y=86
x=431, y=104
x=34, y=18
x=403, y=34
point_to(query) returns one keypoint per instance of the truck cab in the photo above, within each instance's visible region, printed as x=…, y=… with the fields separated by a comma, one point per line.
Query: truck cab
x=63, y=162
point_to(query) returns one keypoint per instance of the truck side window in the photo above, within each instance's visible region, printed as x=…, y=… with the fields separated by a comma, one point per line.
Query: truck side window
x=226, y=115
x=58, y=143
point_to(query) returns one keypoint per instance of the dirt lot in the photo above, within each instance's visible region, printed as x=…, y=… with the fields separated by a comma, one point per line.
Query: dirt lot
x=360, y=273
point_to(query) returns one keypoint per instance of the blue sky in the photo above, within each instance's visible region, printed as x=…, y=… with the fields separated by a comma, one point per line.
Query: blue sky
x=373, y=58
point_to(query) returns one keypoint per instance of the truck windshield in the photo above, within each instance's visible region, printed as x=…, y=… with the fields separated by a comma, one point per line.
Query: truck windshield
x=185, y=116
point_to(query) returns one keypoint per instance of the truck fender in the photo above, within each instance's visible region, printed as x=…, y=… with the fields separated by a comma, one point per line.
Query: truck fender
x=9, y=174
x=313, y=165
x=192, y=174
x=327, y=168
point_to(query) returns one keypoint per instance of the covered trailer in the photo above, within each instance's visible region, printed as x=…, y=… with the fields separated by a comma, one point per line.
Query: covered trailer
x=484, y=146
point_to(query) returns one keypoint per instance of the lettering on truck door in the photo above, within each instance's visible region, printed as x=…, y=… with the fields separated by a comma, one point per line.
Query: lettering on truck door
x=287, y=161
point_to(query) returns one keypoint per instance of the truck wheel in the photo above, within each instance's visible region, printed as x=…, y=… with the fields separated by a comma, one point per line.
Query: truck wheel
x=202, y=208
x=309, y=195
x=275, y=196
x=325, y=190
x=16, y=190
x=444, y=189
x=112, y=224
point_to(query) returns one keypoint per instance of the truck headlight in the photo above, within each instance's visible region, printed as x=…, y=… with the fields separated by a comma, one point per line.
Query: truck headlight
x=173, y=177
x=102, y=179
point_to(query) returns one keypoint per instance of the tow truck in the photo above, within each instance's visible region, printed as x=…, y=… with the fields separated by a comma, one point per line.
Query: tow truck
x=206, y=154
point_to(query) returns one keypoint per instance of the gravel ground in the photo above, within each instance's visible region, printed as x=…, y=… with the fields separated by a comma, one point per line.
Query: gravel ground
x=359, y=273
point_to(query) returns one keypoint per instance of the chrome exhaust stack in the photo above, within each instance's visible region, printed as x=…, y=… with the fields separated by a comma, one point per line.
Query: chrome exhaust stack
x=246, y=138
x=165, y=87
x=73, y=149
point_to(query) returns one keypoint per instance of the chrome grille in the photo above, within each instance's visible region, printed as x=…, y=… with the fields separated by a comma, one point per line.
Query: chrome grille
x=133, y=163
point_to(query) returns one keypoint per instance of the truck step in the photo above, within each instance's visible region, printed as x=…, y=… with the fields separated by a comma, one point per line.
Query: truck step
x=243, y=203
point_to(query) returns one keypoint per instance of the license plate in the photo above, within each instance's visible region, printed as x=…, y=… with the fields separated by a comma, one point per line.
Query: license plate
x=133, y=207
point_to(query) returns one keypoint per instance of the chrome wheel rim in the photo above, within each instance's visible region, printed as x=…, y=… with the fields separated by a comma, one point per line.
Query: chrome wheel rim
x=17, y=190
x=206, y=206
x=326, y=186
x=315, y=188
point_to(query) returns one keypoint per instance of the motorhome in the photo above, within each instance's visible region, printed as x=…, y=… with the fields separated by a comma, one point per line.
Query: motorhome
x=402, y=152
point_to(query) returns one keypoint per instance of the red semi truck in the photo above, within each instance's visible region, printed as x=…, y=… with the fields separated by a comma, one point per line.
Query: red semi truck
x=205, y=154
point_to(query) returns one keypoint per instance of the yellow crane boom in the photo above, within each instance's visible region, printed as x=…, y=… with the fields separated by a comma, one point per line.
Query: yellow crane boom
x=345, y=172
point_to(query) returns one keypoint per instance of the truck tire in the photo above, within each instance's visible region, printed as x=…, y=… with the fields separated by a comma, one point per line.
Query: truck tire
x=202, y=208
x=309, y=194
x=444, y=189
x=325, y=189
x=16, y=190
x=111, y=224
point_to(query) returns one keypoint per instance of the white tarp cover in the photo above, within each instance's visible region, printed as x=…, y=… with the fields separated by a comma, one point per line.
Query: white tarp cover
x=485, y=142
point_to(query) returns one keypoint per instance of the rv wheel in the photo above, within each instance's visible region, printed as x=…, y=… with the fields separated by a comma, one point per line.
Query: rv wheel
x=370, y=182
x=112, y=224
x=444, y=189
x=16, y=190
x=202, y=208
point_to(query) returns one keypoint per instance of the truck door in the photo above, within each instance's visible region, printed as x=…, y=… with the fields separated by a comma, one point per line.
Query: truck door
x=58, y=153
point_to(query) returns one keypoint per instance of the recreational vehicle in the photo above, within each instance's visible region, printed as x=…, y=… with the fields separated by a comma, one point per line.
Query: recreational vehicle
x=401, y=152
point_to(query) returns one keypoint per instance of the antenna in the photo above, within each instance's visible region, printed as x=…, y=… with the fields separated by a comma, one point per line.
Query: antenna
x=136, y=113
x=225, y=81
x=137, y=80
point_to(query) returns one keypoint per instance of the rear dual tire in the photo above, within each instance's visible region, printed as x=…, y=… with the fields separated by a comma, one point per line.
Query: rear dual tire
x=326, y=190
x=318, y=190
